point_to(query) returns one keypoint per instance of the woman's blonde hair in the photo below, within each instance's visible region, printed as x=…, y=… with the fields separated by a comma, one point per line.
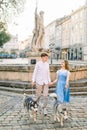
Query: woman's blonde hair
x=66, y=65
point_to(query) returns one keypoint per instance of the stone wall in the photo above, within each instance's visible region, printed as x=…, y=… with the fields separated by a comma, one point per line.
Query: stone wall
x=24, y=73
x=77, y=72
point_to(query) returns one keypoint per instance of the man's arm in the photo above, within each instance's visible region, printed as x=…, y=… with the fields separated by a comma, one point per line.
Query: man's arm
x=34, y=74
x=49, y=80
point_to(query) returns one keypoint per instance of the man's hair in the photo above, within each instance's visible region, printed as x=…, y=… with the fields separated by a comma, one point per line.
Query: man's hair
x=44, y=54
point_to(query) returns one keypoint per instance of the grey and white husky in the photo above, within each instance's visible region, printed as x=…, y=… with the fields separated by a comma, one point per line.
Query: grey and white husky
x=30, y=105
x=60, y=112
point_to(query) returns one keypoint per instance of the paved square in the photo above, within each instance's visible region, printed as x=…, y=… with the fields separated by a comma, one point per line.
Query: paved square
x=12, y=114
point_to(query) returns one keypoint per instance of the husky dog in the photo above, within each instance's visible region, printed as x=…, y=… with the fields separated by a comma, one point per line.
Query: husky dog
x=60, y=113
x=30, y=105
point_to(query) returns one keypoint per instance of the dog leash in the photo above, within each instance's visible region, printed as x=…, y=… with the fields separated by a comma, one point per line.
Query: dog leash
x=32, y=93
x=32, y=90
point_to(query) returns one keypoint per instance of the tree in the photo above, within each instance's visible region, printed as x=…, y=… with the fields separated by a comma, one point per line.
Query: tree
x=4, y=35
x=10, y=8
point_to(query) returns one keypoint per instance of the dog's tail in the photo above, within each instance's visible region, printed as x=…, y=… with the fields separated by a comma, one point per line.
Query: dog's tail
x=53, y=95
x=25, y=95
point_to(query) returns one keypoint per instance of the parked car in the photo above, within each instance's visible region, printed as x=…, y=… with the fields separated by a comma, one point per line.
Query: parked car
x=7, y=56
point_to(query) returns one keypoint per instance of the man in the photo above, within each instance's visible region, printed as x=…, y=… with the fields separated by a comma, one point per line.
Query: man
x=41, y=77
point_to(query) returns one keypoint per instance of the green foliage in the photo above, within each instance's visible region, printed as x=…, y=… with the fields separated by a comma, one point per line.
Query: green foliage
x=4, y=37
x=10, y=9
x=13, y=52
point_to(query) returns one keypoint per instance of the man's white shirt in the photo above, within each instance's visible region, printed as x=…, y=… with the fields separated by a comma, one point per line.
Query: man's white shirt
x=41, y=74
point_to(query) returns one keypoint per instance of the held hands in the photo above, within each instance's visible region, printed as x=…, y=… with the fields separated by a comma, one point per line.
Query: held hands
x=33, y=84
x=66, y=86
x=51, y=83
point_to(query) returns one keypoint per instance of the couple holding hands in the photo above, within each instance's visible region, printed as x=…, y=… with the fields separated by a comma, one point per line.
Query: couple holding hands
x=41, y=78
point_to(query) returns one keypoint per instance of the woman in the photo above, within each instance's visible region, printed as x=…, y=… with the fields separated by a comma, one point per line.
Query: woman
x=62, y=80
x=62, y=84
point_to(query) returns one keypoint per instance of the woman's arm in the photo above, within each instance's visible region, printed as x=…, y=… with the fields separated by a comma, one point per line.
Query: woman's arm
x=67, y=80
x=55, y=79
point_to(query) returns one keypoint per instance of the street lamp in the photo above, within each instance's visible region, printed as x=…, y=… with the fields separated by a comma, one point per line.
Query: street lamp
x=51, y=50
x=51, y=57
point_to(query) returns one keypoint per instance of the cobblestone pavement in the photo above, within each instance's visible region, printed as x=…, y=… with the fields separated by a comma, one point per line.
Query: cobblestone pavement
x=12, y=115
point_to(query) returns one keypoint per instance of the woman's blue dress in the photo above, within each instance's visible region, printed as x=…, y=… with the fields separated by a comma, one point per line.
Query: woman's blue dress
x=62, y=92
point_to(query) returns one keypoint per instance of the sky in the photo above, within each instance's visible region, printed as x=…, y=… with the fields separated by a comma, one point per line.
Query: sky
x=53, y=9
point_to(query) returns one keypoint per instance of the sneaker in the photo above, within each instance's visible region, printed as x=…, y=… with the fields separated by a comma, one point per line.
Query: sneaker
x=45, y=111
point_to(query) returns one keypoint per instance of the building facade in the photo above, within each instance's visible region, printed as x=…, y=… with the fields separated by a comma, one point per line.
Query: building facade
x=66, y=29
x=69, y=35
x=50, y=35
x=78, y=34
